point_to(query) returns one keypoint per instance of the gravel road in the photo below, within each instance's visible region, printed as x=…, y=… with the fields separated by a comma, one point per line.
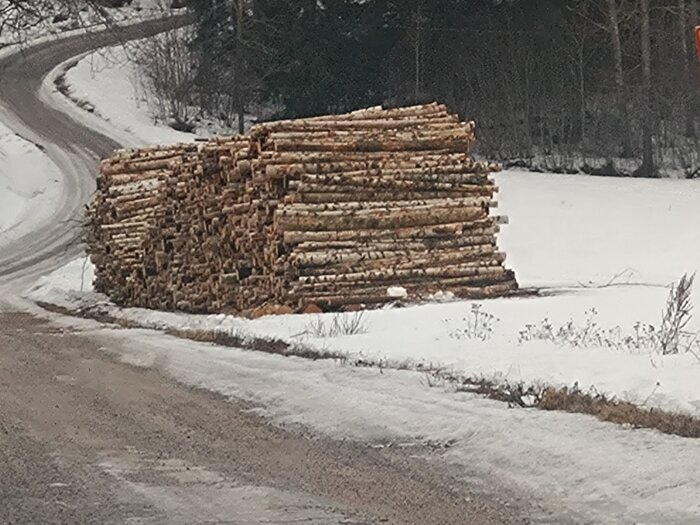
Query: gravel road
x=85, y=439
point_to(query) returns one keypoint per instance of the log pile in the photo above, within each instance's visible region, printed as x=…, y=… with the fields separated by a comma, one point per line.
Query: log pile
x=329, y=211
x=158, y=231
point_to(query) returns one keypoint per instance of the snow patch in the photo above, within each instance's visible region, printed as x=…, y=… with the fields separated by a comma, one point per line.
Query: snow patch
x=106, y=81
x=66, y=285
x=397, y=292
x=30, y=186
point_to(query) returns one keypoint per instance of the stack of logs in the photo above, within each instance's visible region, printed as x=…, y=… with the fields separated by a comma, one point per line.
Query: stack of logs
x=329, y=211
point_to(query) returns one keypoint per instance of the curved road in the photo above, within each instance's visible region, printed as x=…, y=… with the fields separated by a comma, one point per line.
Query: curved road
x=85, y=438
x=75, y=149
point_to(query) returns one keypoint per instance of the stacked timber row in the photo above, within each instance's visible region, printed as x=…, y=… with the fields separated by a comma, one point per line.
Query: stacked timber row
x=329, y=211
x=378, y=199
x=161, y=230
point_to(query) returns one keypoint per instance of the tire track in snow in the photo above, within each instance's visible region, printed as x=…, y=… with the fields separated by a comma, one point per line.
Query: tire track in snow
x=74, y=148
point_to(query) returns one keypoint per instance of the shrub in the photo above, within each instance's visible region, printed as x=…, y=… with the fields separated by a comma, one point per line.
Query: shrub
x=677, y=315
x=345, y=323
x=670, y=338
x=478, y=325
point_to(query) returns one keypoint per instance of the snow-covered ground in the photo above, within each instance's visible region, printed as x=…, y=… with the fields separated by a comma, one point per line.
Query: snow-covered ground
x=585, y=471
x=609, y=245
x=108, y=81
x=29, y=186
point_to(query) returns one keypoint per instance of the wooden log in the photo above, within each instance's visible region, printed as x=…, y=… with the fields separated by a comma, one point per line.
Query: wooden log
x=331, y=135
x=141, y=166
x=424, y=245
x=398, y=256
x=375, y=207
x=457, y=270
x=138, y=187
x=320, y=158
x=382, y=221
x=409, y=169
x=365, y=114
x=386, y=113
x=304, y=197
x=396, y=263
x=371, y=145
x=439, y=121
x=412, y=282
x=447, y=175
x=129, y=178
x=444, y=230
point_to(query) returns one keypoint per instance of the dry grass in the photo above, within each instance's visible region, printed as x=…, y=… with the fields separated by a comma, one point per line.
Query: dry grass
x=677, y=315
x=620, y=412
x=268, y=345
x=573, y=400
x=342, y=323
x=521, y=395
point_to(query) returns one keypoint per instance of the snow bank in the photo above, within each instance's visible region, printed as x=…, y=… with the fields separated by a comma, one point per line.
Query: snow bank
x=30, y=186
x=107, y=93
x=67, y=285
x=579, y=469
x=106, y=81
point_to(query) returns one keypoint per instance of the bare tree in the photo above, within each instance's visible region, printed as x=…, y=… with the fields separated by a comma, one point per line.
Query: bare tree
x=238, y=64
x=17, y=17
x=579, y=58
x=694, y=73
x=167, y=68
x=684, y=28
x=647, y=168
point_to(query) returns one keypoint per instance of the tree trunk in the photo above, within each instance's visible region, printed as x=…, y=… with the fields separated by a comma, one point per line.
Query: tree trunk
x=240, y=99
x=613, y=20
x=647, y=168
x=695, y=105
x=582, y=95
x=688, y=59
x=418, y=50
